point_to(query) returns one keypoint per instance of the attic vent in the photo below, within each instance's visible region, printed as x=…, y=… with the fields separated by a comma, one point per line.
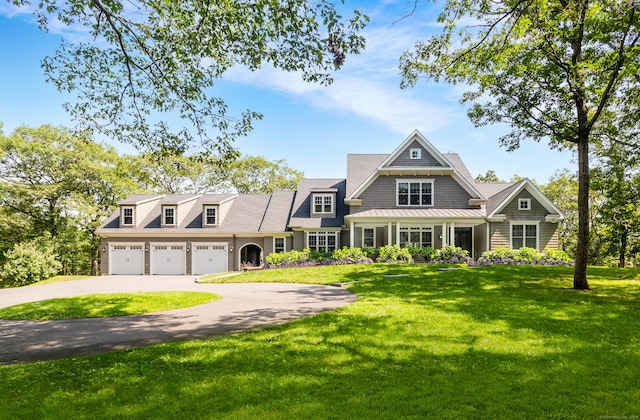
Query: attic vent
x=415, y=153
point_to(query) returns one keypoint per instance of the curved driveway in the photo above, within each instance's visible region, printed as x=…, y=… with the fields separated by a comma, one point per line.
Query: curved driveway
x=243, y=306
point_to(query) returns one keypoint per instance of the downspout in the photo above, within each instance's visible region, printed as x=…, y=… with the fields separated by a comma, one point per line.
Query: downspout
x=235, y=249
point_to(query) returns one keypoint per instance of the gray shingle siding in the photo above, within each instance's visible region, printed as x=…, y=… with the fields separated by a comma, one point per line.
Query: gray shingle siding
x=426, y=159
x=381, y=194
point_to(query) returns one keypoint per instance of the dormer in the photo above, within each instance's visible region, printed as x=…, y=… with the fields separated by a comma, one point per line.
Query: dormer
x=169, y=216
x=214, y=209
x=136, y=208
x=323, y=202
x=174, y=209
x=210, y=216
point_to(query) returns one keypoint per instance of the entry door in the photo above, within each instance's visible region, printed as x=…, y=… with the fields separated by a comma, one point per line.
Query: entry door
x=464, y=238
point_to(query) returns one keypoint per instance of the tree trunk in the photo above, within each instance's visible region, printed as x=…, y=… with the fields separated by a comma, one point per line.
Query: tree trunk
x=623, y=249
x=580, y=271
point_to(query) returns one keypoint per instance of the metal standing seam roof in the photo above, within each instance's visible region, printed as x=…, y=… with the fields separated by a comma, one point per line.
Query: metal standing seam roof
x=421, y=213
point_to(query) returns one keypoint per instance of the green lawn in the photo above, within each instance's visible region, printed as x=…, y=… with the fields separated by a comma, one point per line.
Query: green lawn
x=105, y=305
x=499, y=342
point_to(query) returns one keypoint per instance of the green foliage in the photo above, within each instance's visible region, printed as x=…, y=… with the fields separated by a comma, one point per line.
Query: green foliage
x=160, y=60
x=524, y=255
x=255, y=174
x=292, y=257
x=393, y=254
x=562, y=190
x=30, y=262
x=426, y=253
x=489, y=176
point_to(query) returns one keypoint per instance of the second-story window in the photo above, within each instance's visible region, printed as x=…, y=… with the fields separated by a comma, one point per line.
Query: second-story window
x=323, y=203
x=210, y=216
x=169, y=216
x=127, y=216
x=415, y=193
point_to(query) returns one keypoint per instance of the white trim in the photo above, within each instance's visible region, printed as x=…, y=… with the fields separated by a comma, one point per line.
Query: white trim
x=133, y=216
x=535, y=192
x=326, y=233
x=524, y=223
x=284, y=239
x=374, y=236
x=413, y=181
x=163, y=214
x=205, y=217
x=526, y=202
x=323, y=196
x=415, y=154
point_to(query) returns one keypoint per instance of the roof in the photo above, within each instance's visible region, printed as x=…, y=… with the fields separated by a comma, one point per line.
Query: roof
x=360, y=167
x=300, y=217
x=420, y=213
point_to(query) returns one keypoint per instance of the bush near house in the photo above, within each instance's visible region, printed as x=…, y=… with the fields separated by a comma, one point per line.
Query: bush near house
x=307, y=257
x=508, y=256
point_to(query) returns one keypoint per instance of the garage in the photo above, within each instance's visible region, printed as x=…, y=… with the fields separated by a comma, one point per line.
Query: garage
x=209, y=258
x=126, y=259
x=168, y=259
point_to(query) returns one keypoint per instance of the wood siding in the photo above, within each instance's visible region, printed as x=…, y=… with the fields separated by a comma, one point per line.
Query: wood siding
x=426, y=158
x=447, y=193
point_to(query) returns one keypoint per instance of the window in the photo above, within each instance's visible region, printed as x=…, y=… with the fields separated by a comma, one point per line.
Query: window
x=279, y=244
x=415, y=193
x=416, y=236
x=524, y=204
x=525, y=234
x=210, y=216
x=169, y=216
x=323, y=203
x=369, y=237
x=322, y=241
x=127, y=216
x=415, y=153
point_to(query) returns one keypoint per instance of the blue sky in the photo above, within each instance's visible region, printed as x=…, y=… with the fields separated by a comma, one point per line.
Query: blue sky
x=310, y=126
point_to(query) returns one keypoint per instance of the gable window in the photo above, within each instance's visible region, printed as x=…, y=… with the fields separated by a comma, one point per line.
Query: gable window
x=279, y=244
x=415, y=153
x=415, y=193
x=369, y=237
x=322, y=241
x=169, y=216
x=210, y=216
x=524, y=234
x=524, y=204
x=323, y=203
x=127, y=216
x=416, y=236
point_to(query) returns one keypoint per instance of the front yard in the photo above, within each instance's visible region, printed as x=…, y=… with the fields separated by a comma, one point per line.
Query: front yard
x=491, y=342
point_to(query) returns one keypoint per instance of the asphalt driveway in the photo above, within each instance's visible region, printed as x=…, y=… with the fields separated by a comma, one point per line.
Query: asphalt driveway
x=243, y=306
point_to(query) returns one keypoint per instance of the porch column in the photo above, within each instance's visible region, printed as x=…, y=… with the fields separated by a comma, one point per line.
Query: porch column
x=389, y=233
x=444, y=234
x=453, y=234
x=351, y=235
x=398, y=233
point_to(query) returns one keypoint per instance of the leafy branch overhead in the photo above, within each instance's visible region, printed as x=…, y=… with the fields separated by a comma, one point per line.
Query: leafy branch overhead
x=151, y=61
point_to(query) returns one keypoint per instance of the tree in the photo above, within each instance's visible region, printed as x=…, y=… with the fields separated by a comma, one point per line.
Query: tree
x=617, y=180
x=255, y=174
x=562, y=189
x=563, y=71
x=57, y=183
x=149, y=61
x=490, y=176
x=178, y=174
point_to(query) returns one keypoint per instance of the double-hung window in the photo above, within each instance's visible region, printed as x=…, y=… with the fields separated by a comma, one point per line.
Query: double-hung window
x=524, y=235
x=369, y=237
x=279, y=244
x=210, y=216
x=169, y=216
x=414, y=193
x=127, y=216
x=416, y=236
x=322, y=241
x=323, y=203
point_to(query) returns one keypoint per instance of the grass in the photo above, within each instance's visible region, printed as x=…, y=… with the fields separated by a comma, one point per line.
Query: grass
x=105, y=305
x=494, y=342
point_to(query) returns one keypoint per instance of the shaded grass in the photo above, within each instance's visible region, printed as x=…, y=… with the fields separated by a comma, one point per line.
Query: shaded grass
x=105, y=305
x=494, y=342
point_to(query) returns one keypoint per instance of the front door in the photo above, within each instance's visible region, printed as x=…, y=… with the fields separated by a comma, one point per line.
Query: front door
x=464, y=238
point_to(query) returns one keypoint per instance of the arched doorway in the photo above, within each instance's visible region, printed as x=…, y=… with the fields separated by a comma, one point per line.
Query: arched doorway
x=251, y=255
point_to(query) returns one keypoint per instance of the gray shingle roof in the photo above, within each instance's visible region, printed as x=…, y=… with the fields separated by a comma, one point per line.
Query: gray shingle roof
x=302, y=204
x=278, y=211
x=359, y=168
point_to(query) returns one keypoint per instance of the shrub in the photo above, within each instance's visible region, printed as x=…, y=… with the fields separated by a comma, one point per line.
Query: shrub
x=425, y=252
x=309, y=257
x=393, y=254
x=29, y=262
x=451, y=255
x=503, y=255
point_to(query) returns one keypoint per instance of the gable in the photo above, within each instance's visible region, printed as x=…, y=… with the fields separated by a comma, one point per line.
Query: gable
x=407, y=156
x=524, y=189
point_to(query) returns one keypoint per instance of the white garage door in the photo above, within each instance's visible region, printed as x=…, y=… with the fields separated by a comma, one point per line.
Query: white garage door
x=126, y=259
x=209, y=258
x=168, y=259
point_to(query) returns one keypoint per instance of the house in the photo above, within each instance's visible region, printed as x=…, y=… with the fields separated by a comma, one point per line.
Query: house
x=415, y=196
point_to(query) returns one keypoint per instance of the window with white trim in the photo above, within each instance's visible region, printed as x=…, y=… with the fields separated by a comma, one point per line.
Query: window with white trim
x=323, y=203
x=524, y=204
x=210, y=216
x=322, y=241
x=127, y=216
x=169, y=216
x=279, y=244
x=414, y=193
x=368, y=237
x=524, y=234
x=416, y=236
x=415, y=153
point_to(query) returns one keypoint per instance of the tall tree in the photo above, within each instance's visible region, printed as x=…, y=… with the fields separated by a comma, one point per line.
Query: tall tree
x=489, y=176
x=144, y=59
x=560, y=70
x=255, y=174
x=56, y=183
